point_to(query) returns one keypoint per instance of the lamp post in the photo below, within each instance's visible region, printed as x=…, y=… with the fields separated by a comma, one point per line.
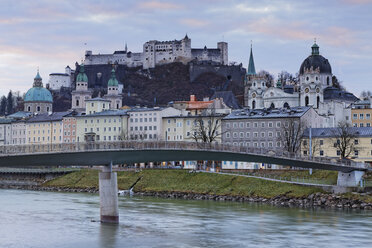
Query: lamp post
x=311, y=150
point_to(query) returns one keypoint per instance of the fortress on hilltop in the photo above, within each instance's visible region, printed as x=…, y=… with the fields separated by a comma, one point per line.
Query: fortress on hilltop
x=161, y=52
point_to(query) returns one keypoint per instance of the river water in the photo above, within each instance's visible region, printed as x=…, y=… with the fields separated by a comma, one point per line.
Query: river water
x=51, y=219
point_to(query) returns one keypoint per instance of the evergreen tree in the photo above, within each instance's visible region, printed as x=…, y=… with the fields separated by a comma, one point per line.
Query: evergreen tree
x=3, y=105
x=10, y=107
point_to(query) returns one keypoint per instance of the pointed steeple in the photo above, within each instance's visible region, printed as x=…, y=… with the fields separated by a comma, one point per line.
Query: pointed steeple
x=126, y=47
x=251, y=68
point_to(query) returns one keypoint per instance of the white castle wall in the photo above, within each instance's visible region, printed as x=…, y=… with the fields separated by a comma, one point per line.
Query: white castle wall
x=161, y=52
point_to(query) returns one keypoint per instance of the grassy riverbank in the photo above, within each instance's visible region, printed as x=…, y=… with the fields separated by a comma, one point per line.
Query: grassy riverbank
x=185, y=182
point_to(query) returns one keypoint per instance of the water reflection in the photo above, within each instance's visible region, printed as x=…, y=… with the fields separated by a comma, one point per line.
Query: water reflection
x=47, y=219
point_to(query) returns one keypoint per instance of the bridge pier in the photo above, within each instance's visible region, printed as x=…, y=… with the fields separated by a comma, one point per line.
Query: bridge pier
x=108, y=195
x=351, y=179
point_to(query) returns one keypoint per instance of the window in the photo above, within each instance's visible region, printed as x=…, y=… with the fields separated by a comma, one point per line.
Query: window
x=270, y=134
x=262, y=124
x=227, y=134
x=368, y=124
x=278, y=124
x=305, y=153
x=278, y=144
x=321, y=153
x=227, y=124
x=368, y=116
x=305, y=142
x=241, y=135
x=235, y=135
x=321, y=142
x=255, y=124
x=361, y=116
x=338, y=152
x=235, y=125
x=262, y=135
x=270, y=124
x=356, y=142
x=247, y=125
x=361, y=125
x=255, y=134
x=355, y=124
x=356, y=152
x=247, y=134
x=241, y=125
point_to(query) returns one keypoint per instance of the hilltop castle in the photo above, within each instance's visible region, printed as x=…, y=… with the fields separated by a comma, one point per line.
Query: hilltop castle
x=161, y=52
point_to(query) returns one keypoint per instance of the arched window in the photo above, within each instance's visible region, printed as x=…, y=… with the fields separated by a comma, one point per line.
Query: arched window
x=117, y=106
x=77, y=103
x=29, y=108
x=47, y=109
x=272, y=106
x=306, y=100
x=38, y=108
x=317, y=101
x=253, y=104
x=327, y=80
x=285, y=105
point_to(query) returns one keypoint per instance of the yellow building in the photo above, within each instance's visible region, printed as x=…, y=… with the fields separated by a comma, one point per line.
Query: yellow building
x=361, y=117
x=183, y=128
x=45, y=128
x=324, y=144
x=108, y=125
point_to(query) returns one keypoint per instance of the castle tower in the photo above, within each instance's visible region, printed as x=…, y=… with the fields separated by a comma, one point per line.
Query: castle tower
x=113, y=92
x=81, y=92
x=38, y=99
x=224, y=52
x=254, y=86
x=315, y=76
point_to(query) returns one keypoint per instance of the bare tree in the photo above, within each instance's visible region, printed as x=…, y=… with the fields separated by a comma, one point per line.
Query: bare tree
x=344, y=139
x=365, y=94
x=315, y=146
x=268, y=77
x=207, y=127
x=291, y=135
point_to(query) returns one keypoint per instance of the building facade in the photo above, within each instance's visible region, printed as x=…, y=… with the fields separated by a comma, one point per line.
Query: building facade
x=361, y=117
x=323, y=143
x=59, y=80
x=147, y=123
x=81, y=92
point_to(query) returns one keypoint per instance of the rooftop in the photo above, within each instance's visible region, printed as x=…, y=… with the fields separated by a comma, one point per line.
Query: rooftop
x=332, y=131
x=56, y=116
x=267, y=113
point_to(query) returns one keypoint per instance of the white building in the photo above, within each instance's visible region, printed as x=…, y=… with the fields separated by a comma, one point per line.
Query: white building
x=314, y=89
x=58, y=80
x=147, y=123
x=5, y=131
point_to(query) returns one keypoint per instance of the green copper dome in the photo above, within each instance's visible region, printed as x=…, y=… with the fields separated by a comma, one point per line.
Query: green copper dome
x=38, y=93
x=113, y=81
x=82, y=77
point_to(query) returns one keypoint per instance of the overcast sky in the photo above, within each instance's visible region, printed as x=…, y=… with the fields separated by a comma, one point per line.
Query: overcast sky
x=52, y=34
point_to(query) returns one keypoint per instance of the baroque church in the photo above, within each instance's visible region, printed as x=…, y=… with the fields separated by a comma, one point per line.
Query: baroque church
x=314, y=88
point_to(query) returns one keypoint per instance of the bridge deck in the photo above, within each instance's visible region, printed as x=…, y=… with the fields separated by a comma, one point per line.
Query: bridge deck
x=100, y=153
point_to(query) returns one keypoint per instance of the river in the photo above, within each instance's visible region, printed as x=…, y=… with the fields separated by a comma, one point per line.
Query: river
x=53, y=219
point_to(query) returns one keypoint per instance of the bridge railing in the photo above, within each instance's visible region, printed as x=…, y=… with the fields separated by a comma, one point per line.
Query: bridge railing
x=167, y=145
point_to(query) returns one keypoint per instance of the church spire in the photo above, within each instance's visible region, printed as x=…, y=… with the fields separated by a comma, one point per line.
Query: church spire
x=126, y=47
x=251, y=68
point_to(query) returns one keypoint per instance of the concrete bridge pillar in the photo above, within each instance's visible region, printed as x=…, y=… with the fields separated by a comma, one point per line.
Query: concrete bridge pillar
x=351, y=179
x=108, y=195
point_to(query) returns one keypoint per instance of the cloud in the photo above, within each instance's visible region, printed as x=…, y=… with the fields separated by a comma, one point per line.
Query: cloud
x=358, y=2
x=194, y=23
x=157, y=5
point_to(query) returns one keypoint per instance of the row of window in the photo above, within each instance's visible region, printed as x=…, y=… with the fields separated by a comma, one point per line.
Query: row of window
x=255, y=124
x=43, y=139
x=362, y=124
x=242, y=135
x=361, y=116
x=104, y=120
x=338, y=153
x=150, y=119
x=143, y=128
x=104, y=129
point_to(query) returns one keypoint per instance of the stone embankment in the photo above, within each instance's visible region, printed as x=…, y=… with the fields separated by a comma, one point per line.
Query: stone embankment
x=333, y=201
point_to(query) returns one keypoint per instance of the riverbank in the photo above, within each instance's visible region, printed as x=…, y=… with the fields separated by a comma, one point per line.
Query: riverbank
x=207, y=186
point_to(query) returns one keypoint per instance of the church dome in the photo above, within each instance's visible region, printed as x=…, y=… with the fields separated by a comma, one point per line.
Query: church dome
x=82, y=77
x=38, y=94
x=112, y=81
x=315, y=61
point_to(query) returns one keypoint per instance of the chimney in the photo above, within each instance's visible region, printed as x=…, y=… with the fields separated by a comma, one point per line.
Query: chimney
x=192, y=98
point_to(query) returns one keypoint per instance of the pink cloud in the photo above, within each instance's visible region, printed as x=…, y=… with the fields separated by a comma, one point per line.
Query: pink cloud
x=158, y=5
